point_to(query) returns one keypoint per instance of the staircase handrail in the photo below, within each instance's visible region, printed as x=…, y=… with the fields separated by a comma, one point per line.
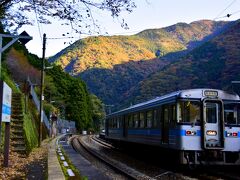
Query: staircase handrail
x=37, y=104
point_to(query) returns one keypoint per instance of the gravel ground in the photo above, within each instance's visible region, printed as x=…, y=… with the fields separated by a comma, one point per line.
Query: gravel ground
x=33, y=166
x=141, y=166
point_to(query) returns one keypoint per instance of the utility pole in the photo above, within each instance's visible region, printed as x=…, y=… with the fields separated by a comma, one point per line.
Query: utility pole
x=41, y=91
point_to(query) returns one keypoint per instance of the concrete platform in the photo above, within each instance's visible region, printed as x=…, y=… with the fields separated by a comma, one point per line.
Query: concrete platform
x=54, y=168
x=84, y=166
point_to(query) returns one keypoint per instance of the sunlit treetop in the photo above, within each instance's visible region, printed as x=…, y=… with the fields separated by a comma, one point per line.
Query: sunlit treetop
x=76, y=13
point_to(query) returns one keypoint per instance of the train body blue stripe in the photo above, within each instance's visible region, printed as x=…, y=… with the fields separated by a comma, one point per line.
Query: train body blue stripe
x=230, y=136
x=175, y=132
x=182, y=132
x=154, y=132
x=157, y=132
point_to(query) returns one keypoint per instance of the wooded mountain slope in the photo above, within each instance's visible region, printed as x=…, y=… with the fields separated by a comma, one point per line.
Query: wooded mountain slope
x=111, y=66
x=106, y=51
x=213, y=65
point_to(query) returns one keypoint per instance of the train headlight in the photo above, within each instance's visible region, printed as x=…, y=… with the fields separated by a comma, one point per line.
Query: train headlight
x=190, y=133
x=229, y=134
x=211, y=133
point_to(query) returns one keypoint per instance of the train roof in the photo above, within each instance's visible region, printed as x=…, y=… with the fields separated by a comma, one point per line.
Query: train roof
x=182, y=94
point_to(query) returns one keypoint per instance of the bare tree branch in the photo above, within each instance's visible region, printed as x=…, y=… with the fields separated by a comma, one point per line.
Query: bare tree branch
x=78, y=13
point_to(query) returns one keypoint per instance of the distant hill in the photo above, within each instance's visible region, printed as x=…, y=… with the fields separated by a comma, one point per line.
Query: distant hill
x=213, y=65
x=111, y=66
x=106, y=51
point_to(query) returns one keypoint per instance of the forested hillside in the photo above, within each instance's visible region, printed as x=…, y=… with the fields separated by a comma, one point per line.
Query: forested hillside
x=213, y=65
x=69, y=95
x=111, y=66
x=106, y=51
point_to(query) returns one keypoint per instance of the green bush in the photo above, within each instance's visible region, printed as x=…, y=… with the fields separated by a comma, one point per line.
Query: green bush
x=30, y=132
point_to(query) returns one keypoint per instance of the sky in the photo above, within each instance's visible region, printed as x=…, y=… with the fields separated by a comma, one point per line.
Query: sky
x=149, y=14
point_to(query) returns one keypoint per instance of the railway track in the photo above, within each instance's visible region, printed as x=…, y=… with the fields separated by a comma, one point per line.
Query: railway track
x=116, y=165
x=220, y=173
x=101, y=142
x=132, y=172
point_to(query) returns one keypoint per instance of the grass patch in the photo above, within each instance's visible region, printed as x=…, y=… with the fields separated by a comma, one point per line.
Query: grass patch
x=2, y=137
x=70, y=166
x=7, y=79
x=30, y=132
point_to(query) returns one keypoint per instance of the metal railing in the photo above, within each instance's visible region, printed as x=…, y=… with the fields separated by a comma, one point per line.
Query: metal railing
x=37, y=104
x=62, y=124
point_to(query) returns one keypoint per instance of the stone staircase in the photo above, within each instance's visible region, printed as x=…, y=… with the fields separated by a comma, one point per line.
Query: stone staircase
x=17, y=132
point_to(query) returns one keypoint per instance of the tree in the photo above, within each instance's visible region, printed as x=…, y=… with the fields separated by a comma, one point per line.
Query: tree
x=77, y=13
x=158, y=53
x=98, y=113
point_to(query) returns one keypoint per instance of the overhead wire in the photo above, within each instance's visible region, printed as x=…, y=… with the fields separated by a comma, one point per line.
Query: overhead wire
x=228, y=15
x=38, y=23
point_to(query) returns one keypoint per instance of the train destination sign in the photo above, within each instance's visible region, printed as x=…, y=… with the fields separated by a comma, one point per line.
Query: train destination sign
x=6, y=99
x=210, y=93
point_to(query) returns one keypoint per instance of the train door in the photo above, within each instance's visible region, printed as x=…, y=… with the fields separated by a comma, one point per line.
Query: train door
x=165, y=125
x=213, y=124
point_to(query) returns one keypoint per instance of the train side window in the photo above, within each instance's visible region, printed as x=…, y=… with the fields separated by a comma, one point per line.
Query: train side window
x=142, y=119
x=130, y=121
x=114, y=122
x=149, y=118
x=111, y=120
x=135, y=119
x=155, y=118
x=109, y=123
x=189, y=111
x=229, y=117
x=172, y=114
x=118, y=122
x=230, y=113
x=165, y=114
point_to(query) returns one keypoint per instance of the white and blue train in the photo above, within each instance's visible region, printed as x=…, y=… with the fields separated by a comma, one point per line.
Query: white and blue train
x=200, y=125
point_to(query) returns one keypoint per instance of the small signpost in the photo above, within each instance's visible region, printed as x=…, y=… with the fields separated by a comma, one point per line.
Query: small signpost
x=6, y=91
x=5, y=116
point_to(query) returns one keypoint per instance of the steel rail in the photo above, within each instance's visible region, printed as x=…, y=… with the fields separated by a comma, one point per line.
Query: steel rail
x=116, y=165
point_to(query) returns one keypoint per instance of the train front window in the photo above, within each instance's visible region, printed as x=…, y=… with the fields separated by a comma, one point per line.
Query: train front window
x=231, y=113
x=229, y=117
x=212, y=110
x=189, y=111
